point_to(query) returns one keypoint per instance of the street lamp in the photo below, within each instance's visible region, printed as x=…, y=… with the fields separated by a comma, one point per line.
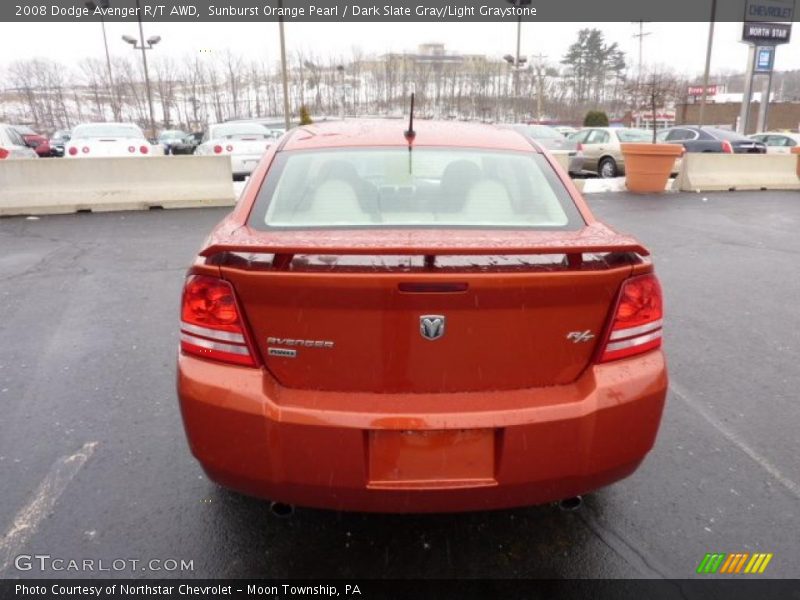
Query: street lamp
x=143, y=45
x=115, y=104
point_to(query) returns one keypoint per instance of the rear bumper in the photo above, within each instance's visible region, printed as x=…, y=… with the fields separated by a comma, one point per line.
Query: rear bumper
x=576, y=163
x=244, y=164
x=499, y=449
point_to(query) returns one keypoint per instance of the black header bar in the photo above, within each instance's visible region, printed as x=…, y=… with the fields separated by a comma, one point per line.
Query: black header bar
x=332, y=11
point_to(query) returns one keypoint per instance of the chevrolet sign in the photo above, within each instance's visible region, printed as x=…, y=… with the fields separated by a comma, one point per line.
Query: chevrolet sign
x=769, y=11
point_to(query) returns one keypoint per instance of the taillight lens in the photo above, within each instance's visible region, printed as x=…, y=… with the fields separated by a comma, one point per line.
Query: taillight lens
x=726, y=147
x=85, y=149
x=4, y=153
x=73, y=151
x=218, y=149
x=637, y=321
x=211, y=323
x=580, y=147
x=229, y=148
x=131, y=149
x=144, y=149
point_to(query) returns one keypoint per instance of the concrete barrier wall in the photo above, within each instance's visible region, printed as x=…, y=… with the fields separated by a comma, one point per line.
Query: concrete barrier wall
x=720, y=172
x=58, y=185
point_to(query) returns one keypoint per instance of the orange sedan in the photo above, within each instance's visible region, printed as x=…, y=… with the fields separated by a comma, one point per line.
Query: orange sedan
x=427, y=321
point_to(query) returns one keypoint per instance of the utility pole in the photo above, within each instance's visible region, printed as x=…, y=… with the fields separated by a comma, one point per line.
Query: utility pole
x=116, y=105
x=700, y=120
x=286, y=114
x=516, y=61
x=641, y=35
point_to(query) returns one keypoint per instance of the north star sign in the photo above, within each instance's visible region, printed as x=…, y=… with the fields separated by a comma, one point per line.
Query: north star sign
x=767, y=33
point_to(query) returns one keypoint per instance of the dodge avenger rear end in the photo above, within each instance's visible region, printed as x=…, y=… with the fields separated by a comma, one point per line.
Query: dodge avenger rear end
x=418, y=322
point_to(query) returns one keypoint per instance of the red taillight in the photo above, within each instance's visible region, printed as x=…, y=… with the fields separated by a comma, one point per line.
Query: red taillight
x=217, y=149
x=144, y=149
x=580, y=147
x=4, y=153
x=726, y=147
x=637, y=321
x=229, y=148
x=73, y=151
x=85, y=149
x=211, y=324
x=131, y=149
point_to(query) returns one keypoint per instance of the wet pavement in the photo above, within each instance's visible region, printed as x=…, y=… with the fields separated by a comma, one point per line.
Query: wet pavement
x=94, y=463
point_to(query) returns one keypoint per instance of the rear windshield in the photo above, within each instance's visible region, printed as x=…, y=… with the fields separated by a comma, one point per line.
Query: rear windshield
x=238, y=130
x=541, y=132
x=106, y=130
x=429, y=187
x=634, y=135
x=723, y=134
x=172, y=134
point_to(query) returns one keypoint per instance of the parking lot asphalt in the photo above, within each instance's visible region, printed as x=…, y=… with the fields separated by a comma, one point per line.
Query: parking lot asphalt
x=94, y=463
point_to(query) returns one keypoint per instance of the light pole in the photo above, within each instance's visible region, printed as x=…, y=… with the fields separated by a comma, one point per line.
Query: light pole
x=144, y=46
x=516, y=64
x=115, y=104
x=708, y=62
x=641, y=35
x=284, y=74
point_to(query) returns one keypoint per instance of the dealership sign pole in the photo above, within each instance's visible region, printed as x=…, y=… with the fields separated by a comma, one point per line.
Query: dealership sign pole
x=767, y=23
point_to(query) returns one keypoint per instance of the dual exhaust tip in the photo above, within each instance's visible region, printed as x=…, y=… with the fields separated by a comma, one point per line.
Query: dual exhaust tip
x=571, y=504
x=281, y=510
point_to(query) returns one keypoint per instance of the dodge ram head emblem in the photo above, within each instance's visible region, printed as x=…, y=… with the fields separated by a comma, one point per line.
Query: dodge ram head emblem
x=431, y=327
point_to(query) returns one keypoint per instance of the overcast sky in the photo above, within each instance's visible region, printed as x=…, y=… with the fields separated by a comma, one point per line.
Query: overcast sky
x=679, y=45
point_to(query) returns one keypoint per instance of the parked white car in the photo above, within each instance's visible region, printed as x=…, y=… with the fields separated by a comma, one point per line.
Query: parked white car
x=777, y=142
x=244, y=141
x=93, y=140
x=12, y=146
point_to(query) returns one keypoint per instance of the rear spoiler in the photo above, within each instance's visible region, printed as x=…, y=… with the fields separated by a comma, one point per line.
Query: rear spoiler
x=595, y=238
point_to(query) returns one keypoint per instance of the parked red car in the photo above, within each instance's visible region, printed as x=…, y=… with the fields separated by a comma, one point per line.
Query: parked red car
x=39, y=143
x=424, y=322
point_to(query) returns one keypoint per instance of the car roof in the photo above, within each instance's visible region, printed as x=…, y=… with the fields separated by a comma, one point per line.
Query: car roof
x=107, y=123
x=790, y=134
x=390, y=132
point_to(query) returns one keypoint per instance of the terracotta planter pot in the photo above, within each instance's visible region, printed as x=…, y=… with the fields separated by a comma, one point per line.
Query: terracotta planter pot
x=648, y=166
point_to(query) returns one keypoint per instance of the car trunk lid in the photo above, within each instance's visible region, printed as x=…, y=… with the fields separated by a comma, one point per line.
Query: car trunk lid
x=427, y=317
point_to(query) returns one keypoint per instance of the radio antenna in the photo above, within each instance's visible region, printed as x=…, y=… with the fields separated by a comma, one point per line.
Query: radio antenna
x=410, y=134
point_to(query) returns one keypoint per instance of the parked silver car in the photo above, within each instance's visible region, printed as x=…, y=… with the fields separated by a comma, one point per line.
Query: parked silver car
x=550, y=139
x=12, y=145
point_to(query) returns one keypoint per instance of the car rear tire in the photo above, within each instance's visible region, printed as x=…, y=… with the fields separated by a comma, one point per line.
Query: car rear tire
x=607, y=168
